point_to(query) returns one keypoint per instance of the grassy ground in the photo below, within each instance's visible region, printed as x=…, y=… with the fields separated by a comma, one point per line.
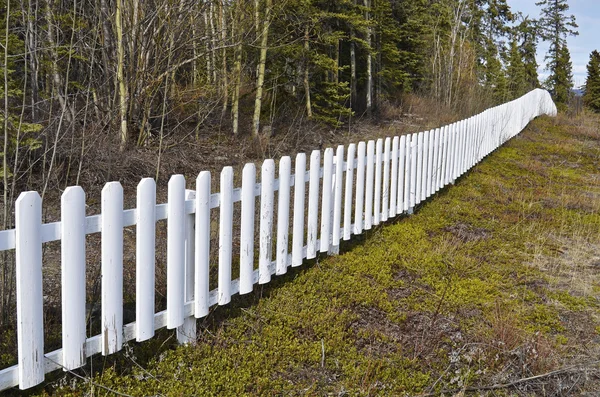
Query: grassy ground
x=491, y=283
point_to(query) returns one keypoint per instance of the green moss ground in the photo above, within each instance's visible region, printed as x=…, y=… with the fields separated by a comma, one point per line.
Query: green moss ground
x=493, y=280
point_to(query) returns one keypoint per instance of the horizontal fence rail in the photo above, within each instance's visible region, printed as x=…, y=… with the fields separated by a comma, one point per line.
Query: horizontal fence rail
x=349, y=191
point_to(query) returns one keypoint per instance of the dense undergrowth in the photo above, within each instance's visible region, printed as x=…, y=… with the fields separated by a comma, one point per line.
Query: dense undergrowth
x=488, y=284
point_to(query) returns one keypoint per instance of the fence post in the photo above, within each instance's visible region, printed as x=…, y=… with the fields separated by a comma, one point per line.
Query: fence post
x=30, y=316
x=186, y=333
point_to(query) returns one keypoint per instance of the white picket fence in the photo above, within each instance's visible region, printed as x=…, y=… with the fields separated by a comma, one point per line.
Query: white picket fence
x=362, y=186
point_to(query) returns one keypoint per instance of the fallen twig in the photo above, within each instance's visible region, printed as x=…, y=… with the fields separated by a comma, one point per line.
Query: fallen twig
x=571, y=369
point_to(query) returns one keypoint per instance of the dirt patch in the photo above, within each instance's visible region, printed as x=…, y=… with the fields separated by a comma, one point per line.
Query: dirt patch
x=376, y=334
x=467, y=233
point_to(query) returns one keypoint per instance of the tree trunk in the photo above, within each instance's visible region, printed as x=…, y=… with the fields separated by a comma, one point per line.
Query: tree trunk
x=33, y=60
x=209, y=64
x=352, y=74
x=120, y=75
x=306, y=79
x=261, y=68
x=57, y=80
x=237, y=69
x=213, y=37
x=369, y=91
x=224, y=56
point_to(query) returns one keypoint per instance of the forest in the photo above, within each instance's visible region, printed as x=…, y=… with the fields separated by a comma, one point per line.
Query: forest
x=83, y=77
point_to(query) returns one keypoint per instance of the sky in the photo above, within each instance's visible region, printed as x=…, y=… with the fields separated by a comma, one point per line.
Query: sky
x=587, y=14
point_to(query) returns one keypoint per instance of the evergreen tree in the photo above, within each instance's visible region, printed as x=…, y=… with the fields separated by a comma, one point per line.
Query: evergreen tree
x=561, y=80
x=591, y=97
x=555, y=26
x=516, y=72
x=527, y=36
x=490, y=26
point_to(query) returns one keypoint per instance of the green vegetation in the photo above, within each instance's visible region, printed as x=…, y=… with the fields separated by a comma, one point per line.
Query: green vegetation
x=555, y=26
x=592, y=83
x=492, y=281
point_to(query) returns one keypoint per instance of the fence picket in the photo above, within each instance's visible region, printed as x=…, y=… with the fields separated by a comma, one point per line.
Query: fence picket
x=429, y=173
x=73, y=277
x=202, y=238
x=419, y=176
x=298, y=226
x=394, y=178
x=326, y=200
x=145, y=259
x=247, y=229
x=369, y=185
x=436, y=162
x=385, y=193
x=337, y=200
x=267, y=183
x=414, y=170
x=283, y=215
x=112, y=268
x=348, y=191
x=377, y=192
x=313, y=205
x=407, y=172
x=30, y=316
x=400, y=175
x=360, y=188
x=176, y=252
x=444, y=156
x=225, y=235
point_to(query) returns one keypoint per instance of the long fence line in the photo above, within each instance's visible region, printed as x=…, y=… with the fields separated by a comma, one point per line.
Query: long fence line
x=383, y=179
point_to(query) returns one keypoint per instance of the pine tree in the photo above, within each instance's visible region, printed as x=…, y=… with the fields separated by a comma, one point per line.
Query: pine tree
x=555, y=26
x=561, y=80
x=527, y=36
x=516, y=72
x=591, y=97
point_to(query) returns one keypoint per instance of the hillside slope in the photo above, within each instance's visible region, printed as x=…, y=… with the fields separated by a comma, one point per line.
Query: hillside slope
x=491, y=283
